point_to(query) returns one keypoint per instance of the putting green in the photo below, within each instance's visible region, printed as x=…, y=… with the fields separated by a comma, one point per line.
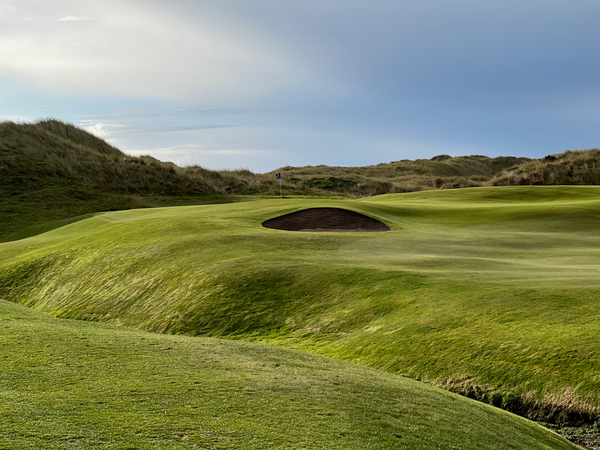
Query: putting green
x=489, y=291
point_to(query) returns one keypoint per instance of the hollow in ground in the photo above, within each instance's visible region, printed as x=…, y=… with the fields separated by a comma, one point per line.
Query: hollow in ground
x=326, y=219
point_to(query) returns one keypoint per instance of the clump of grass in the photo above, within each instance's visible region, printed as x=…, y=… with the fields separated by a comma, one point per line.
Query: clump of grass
x=554, y=408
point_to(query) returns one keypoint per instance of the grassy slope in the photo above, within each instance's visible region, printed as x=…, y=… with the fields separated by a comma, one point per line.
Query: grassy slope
x=567, y=168
x=52, y=171
x=29, y=213
x=79, y=385
x=490, y=292
x=440, y=171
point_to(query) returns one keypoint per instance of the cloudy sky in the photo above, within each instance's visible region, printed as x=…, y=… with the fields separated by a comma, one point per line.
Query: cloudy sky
x=266, y=83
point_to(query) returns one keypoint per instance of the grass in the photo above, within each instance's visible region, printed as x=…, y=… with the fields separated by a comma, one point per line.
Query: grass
x=76, y=385
x=28, y=213
x=489, y=292
x=439, y=172
x=567, y=168
x=53, y=171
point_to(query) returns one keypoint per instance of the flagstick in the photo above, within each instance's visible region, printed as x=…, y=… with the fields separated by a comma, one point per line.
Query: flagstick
x=280, y=191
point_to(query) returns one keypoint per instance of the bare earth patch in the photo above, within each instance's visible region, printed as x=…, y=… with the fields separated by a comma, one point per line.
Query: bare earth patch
x=326, y=219
x=587, y=436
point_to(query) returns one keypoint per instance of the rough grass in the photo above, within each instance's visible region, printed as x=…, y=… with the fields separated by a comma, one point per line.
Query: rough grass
x=439, y=172
x=489, y=292
x=76, y=385
x=51, y=170
x=568, y=168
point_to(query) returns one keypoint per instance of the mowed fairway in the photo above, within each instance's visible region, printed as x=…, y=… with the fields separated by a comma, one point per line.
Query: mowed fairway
x=76, y=385
x=492, y=292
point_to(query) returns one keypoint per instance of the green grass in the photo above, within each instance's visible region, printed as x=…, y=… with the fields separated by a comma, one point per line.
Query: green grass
x=54, y=171
x=76, y=385
x=490, y=292
x=28, y=213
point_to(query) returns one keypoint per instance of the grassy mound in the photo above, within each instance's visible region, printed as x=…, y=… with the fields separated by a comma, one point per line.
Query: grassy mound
x=568, y=168
x=488, y=292
x=52, y=171
x=55, y=171
x=439, y=172
x=71, y=384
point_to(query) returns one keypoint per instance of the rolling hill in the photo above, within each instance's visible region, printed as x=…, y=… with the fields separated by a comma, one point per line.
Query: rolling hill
x=439, y=172
x=52, y=172
x=78, y=385
x=489, y=292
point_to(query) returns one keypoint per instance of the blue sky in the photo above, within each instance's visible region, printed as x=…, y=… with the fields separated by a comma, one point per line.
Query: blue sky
x=267, y=83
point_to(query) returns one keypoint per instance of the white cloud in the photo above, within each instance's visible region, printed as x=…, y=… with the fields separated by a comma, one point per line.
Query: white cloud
x=198, y=149
x=205, y=155
x=143, y=49
x=116, y=129
x=73, y=18
x=98, y=129
x=7, y=9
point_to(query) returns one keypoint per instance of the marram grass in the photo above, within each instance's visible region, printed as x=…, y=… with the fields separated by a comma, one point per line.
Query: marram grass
x=491, y=292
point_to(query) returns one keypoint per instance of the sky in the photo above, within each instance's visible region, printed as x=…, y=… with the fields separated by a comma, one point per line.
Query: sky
x=262, y=84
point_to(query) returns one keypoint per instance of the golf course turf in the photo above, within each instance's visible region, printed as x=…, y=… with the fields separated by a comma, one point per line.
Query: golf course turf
x=80, y=385
x=490, y=292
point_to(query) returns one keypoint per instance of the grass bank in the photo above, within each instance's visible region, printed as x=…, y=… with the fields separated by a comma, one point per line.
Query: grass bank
x=76, y=385
x=53, y=171
x=489, y=292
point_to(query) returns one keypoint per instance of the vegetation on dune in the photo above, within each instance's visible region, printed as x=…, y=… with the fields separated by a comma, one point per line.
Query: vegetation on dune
x=51, y=171
x=489, y=292
x=77, y=385
x=439, y=172
x=568, y=168
x=49, y=153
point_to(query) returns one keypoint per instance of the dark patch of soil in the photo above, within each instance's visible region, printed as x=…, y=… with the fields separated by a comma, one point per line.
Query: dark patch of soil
x=587, y=436
x=562, y=414
x=326, y=219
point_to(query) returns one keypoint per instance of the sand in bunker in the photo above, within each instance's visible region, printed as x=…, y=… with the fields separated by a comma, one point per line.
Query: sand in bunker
x=326, y=219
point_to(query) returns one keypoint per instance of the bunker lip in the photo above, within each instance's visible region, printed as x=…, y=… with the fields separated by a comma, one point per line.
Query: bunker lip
x=326, y=219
